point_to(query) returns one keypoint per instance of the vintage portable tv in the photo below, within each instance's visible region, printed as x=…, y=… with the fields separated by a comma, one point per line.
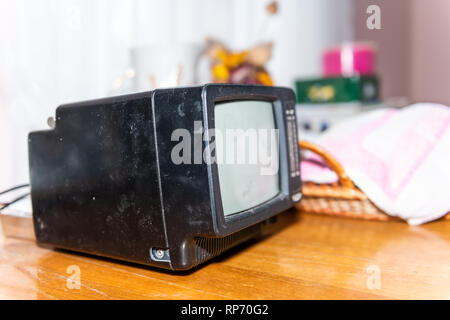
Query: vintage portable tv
x=112, y=179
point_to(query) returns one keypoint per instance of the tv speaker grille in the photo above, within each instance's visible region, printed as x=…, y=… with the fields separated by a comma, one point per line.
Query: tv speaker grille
x=208, y=248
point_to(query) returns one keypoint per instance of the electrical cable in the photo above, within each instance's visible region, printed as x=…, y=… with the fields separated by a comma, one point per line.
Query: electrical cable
x=4, y=205
x=14, y=188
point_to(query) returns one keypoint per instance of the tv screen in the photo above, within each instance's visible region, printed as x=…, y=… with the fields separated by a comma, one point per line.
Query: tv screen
x=247, y=154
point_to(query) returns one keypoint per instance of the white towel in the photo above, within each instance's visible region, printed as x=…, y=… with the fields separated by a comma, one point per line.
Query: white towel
x=400, y=158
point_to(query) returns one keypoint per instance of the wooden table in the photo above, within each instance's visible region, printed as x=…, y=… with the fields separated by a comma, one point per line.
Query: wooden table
x=308, y=257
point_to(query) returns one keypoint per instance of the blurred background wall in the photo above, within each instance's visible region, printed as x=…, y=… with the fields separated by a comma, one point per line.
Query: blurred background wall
x=53, y=52
x=413, y=47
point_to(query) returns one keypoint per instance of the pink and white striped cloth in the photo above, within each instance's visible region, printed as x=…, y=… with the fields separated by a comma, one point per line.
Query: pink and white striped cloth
x=399, y=157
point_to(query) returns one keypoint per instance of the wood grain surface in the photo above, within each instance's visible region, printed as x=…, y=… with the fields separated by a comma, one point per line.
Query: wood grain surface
x=306, y=257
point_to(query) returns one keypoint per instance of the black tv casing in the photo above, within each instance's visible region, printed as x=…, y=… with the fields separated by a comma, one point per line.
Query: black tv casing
x=103, y=183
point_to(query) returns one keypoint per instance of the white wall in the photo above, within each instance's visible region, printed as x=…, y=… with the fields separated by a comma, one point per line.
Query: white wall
x=53, y=51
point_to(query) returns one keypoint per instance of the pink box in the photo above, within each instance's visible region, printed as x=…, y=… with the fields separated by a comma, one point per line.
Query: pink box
x=349, y=59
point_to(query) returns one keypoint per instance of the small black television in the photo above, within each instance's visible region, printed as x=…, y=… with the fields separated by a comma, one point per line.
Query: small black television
x=149, y=178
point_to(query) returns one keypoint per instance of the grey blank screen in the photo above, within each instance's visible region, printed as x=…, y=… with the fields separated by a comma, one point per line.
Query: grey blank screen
x=246, y=184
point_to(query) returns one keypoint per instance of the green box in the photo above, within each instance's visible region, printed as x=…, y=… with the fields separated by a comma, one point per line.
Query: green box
x=338, y=89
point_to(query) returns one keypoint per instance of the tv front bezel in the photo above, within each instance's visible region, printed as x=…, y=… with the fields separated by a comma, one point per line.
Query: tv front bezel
x=282, y=101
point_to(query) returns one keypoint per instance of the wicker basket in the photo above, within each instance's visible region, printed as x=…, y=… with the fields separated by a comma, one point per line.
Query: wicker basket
x=339, y=199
